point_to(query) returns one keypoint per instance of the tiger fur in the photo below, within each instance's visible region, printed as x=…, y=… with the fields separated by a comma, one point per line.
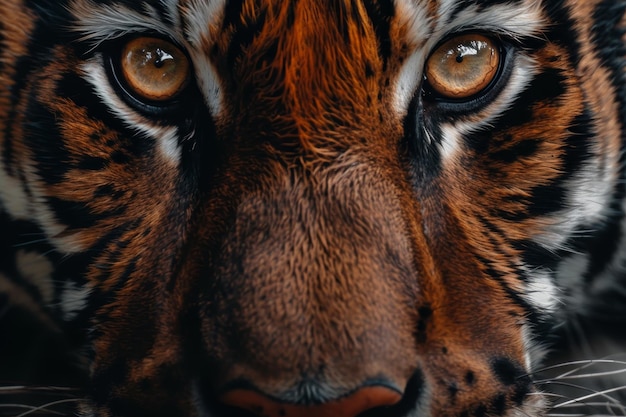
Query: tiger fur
x=313, y=207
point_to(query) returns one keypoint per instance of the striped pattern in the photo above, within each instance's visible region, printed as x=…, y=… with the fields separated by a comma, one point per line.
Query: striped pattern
x=309, y=197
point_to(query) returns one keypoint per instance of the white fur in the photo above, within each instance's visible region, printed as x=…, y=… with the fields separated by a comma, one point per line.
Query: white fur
x=100, y=22
x=407, y=81
x=588, y=196
x=208, y=82
x=510, y=19
x=46, y=218
x=37, y=270
x=541, y=291
x=414, y=17
x=73, y=299
x=534, y=351
x=450, y=142
x=201, y=17
x=171, y=7
x=165, y=136
x=12, y=194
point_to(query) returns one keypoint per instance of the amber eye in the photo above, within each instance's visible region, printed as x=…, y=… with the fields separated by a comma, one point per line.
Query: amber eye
x=463, y=66
x=154, y=69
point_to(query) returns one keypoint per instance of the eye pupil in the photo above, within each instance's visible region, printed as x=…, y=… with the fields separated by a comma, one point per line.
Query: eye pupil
x=459, y=58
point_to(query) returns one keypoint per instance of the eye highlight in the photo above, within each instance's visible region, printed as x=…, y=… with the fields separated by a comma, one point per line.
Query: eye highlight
x=154, y=70
x=463, y=66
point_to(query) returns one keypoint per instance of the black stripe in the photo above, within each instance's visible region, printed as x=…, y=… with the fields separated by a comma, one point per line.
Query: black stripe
x=20, y=235
x=20, y=78
x=605, y=243
x=481, y=5
x=128, y=143
x=53, y=161
x=2, y=46
x=536, y=255
x=494, y=231
x=547, y=87
x=81, y=92
x=105, y=249
x=561, y=29
x=533, y=315
x=381, y=13
x=244, y=30
x=78, y=215
x=549, y=198
x=518, y=149
x=424, y=159
x=607, y=37
x=50, y=30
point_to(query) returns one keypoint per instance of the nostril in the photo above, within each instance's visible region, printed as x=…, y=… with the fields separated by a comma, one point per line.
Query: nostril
x=360, y=401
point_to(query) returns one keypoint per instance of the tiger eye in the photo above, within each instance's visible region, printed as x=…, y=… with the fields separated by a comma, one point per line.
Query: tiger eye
x=463, y=66
x=154, y=69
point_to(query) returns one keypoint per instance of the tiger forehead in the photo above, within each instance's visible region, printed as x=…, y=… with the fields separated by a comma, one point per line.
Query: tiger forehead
x=266, y=20
x=304, y=50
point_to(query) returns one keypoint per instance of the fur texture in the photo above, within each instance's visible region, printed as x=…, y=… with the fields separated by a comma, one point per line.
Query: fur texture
x=308, y=220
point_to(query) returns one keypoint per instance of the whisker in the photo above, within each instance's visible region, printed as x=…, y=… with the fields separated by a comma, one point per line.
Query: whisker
x=13, y=389
x=584, y=364
x=580, y=400
x=44, y=407
x=30, y=242
x=595, y=414
x=602, y=393
x=598, y=404
x=30, y=408
x=548, y=394
x=519, y=411
x=581, y=376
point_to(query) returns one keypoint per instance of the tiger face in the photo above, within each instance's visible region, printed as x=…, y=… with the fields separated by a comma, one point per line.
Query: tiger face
x=346, y=208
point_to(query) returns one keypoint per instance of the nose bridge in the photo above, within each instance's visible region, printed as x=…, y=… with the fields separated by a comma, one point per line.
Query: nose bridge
x=318, y=275
x=323, y=233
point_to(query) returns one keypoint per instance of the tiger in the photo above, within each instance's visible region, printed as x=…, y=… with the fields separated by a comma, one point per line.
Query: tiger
x=312, y=208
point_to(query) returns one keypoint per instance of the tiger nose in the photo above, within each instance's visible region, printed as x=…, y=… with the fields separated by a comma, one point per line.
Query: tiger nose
x=359, y=401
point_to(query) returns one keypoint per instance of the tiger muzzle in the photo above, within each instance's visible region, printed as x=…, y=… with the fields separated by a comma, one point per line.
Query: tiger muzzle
x=317, y=288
